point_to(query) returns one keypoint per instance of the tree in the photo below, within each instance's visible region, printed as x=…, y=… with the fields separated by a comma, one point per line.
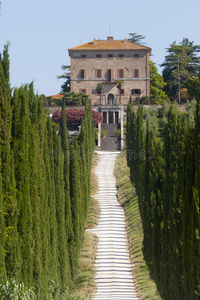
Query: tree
x=65, y=87
x=157, y=95
x=136, y=38
x=180, y=64
x=192, y=85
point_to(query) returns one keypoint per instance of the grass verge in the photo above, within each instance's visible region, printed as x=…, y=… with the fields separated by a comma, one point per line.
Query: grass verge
x=127, y=198
x=84, y=279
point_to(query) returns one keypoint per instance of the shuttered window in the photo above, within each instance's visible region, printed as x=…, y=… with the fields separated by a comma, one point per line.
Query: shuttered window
x=136, y=92
x=121, y=73
x=83, y=73
x=83, y=91
x=110, y=75
x=98, y=73
x=136, y=73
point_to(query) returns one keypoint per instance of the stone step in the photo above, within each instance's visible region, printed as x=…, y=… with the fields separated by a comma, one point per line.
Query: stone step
x=113, y=269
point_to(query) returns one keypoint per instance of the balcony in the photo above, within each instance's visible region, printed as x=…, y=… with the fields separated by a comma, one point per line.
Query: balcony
x=110, y=101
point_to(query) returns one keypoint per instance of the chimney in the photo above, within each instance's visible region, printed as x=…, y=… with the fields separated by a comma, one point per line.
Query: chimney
x=110, y=38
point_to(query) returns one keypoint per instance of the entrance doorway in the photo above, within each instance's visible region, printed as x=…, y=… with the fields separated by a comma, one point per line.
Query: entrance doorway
x=116, y=117
x=110, y=99
x=104, y=117
x=110, y=116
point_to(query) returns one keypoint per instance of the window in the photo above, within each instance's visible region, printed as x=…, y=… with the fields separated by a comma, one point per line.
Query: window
x=98, y=73
x=121, y=56
x=83, y=56
x=82, y=73
x=136, y=92
x=110, y=55
x=136, y=55
x=98, y=56
x=121, y=73
x=83, y=91
x=121, y=91
x=136, y=73
x=110, y=75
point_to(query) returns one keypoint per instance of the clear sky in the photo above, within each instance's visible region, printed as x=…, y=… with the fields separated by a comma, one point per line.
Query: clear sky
x=41, y=31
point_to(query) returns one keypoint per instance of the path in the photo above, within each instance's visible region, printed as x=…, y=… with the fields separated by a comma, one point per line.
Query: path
x=113, y=269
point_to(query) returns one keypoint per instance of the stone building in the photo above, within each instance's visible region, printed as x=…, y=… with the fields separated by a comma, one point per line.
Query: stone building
x=98, y=67
x=106, y=61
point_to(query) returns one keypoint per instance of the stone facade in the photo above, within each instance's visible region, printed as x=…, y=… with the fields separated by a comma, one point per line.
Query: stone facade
x=106, y=61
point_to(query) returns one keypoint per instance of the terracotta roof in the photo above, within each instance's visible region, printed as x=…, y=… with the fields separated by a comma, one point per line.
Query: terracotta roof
x=110, y=45
x=57, y=96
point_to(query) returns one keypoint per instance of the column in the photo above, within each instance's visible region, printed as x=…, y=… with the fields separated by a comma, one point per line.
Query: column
x=99, y=136
x=107, y=117
x=122, y=127
x=114, y=117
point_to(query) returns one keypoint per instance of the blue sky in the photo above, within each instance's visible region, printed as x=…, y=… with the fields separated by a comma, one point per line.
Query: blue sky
x=41, y=31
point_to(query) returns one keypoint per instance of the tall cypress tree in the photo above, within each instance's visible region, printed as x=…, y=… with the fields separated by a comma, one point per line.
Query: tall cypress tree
x=75, y=194
x=157, y=212
x=169, y=199
x=64, y=144
x=140, y=146
x=148, y=194
x=2, y=238
x=64, y=263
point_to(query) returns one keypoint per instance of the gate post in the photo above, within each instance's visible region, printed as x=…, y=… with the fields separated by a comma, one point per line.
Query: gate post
x=122, y=127
x=99, y=136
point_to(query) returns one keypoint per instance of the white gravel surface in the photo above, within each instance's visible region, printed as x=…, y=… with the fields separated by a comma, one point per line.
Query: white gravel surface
x=113, y=268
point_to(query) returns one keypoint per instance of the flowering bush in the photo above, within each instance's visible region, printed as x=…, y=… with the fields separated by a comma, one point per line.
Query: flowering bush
x=74, y=117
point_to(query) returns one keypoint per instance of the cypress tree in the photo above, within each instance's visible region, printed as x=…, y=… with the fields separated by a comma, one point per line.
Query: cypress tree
x=129, y=130
x=2, y=238
x=197, y=193
x=157, y=203
x=23, y=187
x=53, y=224
x=64, y=144
x=133, y=147
x=140, y=163
x=75, y=194
x=64, y=263
x=188, y=218
x=5, y=122
x=6, y=63
x=169, y=199
x=148, y=194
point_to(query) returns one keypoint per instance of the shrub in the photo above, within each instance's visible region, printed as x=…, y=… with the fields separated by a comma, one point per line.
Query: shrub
x=11, y=290
x=74, y=117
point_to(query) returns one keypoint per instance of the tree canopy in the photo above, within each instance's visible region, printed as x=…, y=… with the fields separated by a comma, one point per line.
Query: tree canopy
x=65, y=87
x=180, y=64
x=136, y=38
x=157, y=95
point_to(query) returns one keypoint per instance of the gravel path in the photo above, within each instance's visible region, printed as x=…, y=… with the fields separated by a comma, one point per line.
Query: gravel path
x=113, y=269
